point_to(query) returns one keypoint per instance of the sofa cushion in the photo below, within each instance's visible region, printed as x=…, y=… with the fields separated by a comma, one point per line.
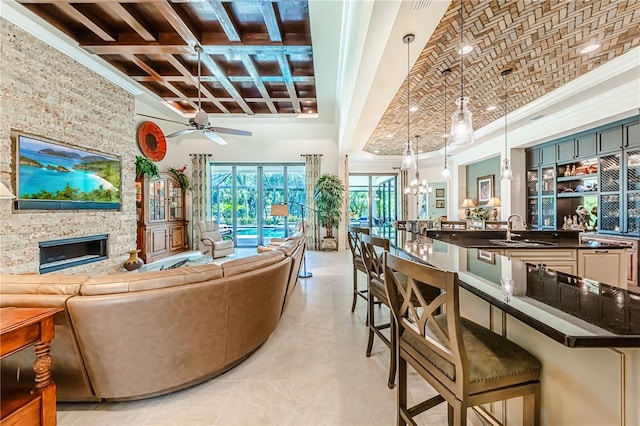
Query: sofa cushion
x=129, y=282
x=251, y=263
x=288, y=247
x=41, y=284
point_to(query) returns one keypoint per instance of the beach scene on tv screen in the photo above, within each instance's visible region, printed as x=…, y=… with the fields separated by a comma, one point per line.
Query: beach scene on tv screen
x=49, y=171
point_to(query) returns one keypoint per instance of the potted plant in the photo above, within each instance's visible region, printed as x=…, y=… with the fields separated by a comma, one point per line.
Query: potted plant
x=328, y=195
x=146, y=167
x=180, y=176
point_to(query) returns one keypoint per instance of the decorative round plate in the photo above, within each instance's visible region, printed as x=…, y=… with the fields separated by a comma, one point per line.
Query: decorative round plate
x=151, y=141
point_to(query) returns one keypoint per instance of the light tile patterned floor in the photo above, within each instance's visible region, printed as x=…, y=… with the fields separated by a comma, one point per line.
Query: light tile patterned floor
x=312, y=371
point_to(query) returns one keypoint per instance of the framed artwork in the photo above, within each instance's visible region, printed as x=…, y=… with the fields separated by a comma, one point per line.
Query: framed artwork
x=439, y=204
x=440, y=192
x=487, y=256
x=485, y=188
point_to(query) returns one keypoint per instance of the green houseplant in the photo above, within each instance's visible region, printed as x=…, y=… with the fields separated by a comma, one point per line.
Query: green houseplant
x=146, y=167
x=328, y=195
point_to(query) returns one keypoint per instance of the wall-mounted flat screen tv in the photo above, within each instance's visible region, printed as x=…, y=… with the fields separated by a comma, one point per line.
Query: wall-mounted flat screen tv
x=51, y=175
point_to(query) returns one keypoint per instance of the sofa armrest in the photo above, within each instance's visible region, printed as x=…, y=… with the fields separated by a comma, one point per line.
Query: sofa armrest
x=207, y=241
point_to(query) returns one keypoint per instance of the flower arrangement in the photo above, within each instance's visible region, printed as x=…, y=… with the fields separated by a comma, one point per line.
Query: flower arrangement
x=179, y=174
x=479, y=213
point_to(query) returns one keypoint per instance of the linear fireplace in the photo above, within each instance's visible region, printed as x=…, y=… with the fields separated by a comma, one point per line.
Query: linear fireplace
x=61, y=254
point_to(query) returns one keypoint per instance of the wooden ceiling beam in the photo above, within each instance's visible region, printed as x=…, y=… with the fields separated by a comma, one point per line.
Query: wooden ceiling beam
x=233, y=79
x=189, y=78
x=270, y=19
x=65, y=7
x=215, y=69
x=229, y=27
x=288, y=80
x=159, y=79
x=177, y=23
x=133, y=22
x=253, y=73
x=147, y=49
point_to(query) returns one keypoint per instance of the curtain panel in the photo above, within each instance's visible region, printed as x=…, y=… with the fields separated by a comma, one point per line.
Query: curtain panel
x=346, y=196
x=312, y=166
x=200, y=193
x=404, y=183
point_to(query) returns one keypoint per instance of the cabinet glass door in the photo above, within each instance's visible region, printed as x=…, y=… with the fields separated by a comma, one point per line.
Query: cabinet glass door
x=609, y=208
x=157, y=206
x=632, y=161
x=175, y=200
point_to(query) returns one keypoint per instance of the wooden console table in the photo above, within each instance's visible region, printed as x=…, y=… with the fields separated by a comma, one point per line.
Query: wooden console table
x=20, y=328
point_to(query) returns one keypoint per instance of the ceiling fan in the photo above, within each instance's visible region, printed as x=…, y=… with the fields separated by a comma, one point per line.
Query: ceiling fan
x=200, y=122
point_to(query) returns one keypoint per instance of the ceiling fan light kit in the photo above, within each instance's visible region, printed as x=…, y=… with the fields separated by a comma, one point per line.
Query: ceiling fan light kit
x=461, y=125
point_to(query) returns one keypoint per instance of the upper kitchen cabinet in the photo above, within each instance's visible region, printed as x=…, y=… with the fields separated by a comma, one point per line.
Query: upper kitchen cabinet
x=583, y=146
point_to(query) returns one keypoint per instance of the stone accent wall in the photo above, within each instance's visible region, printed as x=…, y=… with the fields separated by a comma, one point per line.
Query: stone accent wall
x=43, y=92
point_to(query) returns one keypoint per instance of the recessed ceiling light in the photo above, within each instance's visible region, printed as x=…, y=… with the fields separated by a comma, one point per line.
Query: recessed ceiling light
x=389, y=135
x=376, y=151
x=413, y=109
x=466, y=49
x=492, y=108
x=590, y=48
x=446, y=135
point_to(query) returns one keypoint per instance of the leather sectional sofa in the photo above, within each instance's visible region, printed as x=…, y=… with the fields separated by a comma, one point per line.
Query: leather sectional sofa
x=135, y=335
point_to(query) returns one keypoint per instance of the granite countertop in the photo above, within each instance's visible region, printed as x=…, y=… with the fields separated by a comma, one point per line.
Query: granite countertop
x=574, y=311
x=553, y=239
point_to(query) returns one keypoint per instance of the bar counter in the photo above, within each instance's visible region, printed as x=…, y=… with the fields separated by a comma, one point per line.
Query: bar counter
x=574, y=311
x=584, y=333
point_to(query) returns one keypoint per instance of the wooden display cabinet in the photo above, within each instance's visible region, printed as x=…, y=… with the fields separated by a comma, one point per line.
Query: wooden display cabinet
x=161, y=211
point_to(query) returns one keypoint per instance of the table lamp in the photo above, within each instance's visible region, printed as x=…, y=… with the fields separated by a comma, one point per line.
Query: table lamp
x=466, y=205
x=495, y=203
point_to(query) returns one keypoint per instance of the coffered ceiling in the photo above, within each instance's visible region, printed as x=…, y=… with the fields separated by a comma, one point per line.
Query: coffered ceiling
x=257, y=54
x=540, y=40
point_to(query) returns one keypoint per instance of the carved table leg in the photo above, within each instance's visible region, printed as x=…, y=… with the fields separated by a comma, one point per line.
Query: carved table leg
x=42, y=365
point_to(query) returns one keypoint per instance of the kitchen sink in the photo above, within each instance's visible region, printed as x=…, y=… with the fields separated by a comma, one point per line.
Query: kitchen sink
x=522, y=243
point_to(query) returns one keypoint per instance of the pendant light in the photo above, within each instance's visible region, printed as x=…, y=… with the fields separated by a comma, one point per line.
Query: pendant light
x=408, y=159
x=506, y=173
x=461, y=126
x=445, y=173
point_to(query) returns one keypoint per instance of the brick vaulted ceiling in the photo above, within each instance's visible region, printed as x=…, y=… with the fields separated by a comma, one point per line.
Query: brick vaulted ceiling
x=257, y=56
x=539, y=39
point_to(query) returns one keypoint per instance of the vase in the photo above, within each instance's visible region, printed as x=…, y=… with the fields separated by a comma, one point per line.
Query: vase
x=133, y=262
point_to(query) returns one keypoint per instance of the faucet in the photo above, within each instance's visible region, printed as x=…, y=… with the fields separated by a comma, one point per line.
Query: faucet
x=510, y=226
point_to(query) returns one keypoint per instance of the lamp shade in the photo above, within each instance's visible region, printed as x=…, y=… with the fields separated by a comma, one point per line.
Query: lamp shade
x=467, y=203
x=493, y=202
x=279, y=210
x=461, y=125
x=408, y=159
x=5, y=193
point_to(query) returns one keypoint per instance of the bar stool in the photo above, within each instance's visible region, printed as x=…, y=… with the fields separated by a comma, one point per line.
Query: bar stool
x=353, y=238
x=467, y=364
x=373, y=249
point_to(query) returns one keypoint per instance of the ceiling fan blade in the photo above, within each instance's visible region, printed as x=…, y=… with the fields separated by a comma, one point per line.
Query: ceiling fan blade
x=160, y=118
x=231, y=131
x=214, y=137
x=180, y=133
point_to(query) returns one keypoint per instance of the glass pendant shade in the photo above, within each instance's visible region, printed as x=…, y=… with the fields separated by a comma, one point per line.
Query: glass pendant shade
x=445, y=173
x=506, y=172
x=461, y=125
x=408, y=159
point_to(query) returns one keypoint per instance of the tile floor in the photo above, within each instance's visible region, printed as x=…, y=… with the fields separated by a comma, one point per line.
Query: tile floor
x=311, y=371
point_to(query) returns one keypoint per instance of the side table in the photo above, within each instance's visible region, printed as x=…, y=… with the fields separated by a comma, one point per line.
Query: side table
x=19, y=329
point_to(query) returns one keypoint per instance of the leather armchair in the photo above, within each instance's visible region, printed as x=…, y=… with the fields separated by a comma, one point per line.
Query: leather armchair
x=211, y=241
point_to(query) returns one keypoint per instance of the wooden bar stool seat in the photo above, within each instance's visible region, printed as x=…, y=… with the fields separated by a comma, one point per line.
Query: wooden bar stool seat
x=467, y=364
x=353, y=238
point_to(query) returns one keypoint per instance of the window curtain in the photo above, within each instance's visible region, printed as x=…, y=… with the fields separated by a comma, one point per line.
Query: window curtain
x=200, y=193
x=312, y=166
x=346, y=195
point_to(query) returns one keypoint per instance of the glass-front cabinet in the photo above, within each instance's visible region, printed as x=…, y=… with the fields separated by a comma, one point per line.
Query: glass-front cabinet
x=588, y=181
x=160, y=210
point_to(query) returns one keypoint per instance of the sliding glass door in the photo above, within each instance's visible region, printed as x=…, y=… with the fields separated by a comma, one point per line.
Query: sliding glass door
x=372, y=202
x=242, y=195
